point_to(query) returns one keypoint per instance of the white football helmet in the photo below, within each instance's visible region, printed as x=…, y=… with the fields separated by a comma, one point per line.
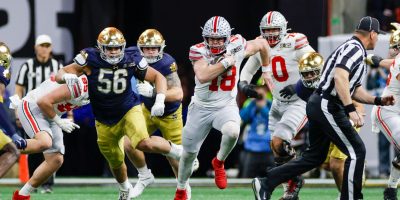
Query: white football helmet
x=273, y=20
x=217, y=27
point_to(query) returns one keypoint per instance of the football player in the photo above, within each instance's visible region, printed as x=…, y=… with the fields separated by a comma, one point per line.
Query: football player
x=151, y=45
x=216, y=62
x=387, y=119
x=288, y=114
x=40, y=112
x=9, y=154
x=109, y=69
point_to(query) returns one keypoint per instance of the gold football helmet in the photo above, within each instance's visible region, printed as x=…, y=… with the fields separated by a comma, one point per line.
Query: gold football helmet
x=5, y=59
x=310, y=67
x=151, y=38
x=394, y=41
x=108, y=39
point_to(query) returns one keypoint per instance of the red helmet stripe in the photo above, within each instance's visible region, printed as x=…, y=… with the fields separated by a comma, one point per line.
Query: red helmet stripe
x=215, y=23
x=270, y=16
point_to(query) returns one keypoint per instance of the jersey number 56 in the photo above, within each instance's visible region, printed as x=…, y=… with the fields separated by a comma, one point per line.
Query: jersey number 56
x=116, y=82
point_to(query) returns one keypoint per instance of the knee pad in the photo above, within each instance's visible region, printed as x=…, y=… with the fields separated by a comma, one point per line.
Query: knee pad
x=231, y=129
x=396, y=162
x=285, y=153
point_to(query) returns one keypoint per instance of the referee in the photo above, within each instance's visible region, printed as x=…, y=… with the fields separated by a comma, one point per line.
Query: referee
x=31, y=74
x=331, y=113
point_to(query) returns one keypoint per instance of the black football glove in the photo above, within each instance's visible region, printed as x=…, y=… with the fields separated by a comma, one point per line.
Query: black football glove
x=249, y=90
x=288, y=91
x=374, y=60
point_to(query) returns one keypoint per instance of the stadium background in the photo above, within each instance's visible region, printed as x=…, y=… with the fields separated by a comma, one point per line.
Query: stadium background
x=75, y=24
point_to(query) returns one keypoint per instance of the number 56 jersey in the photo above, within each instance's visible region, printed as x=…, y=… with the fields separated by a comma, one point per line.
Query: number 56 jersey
x=284, y=65
x=222, y=90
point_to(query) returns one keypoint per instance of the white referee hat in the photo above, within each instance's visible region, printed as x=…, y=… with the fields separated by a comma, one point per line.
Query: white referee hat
x=43, y=39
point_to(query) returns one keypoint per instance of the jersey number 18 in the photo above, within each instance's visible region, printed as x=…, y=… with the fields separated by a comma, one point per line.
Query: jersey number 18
x=227, y=83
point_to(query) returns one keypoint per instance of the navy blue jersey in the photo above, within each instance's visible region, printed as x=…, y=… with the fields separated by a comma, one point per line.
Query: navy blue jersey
x=303, y=92
x=165, y=66
x=3, y=79
x=110, y=86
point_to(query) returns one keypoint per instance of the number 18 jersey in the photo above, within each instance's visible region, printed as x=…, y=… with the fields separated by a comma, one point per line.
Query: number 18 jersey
x=222, y=90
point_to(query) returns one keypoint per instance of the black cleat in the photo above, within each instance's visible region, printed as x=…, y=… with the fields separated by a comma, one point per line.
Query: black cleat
x=261, y=189
x=390, y=194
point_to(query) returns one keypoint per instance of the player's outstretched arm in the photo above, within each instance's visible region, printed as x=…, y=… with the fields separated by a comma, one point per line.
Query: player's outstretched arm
x=153, y=76
x=73, y=68
x=259, y=45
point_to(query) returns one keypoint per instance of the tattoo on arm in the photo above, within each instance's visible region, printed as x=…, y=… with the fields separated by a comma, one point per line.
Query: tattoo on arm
x=173, y=80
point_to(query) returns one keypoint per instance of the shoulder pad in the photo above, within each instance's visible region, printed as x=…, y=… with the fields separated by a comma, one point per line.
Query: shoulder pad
x=237, y=43
x=196, y=51
x=300, y=40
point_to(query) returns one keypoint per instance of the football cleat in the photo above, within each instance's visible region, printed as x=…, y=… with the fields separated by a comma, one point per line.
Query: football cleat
x=188, y=192
x=143, y=181
x=17, y=196
x=260, y=189
x=220, y=175
x=180, y=195
x=390, y=194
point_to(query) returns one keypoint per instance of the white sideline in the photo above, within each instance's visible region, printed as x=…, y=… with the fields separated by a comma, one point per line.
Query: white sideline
x=169, y=182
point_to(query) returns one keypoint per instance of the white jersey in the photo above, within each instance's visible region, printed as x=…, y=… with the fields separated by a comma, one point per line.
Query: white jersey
x=80, y=92
x=222, y=90
x=393, y=85
x=284, y=64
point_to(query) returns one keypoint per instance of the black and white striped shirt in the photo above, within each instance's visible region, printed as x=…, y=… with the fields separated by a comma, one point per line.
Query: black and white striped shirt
x=349, y=56
x=32, y=73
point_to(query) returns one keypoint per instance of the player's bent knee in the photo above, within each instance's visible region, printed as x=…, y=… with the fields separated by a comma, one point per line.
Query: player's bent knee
x=231, y=129
x=127, y=145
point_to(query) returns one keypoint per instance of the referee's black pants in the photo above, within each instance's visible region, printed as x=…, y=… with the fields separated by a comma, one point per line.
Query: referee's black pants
x=328, y=122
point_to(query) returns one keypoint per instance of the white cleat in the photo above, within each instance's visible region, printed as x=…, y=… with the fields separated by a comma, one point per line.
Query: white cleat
x=125, y=194
x=196, y=165
x=143, y=181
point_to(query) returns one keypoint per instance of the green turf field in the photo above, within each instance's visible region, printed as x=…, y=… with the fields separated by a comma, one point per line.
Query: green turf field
x=201, y=193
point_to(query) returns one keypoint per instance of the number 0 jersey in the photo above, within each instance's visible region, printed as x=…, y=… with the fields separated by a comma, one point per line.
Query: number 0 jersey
x=283, y=62
x=80, y=91
x=222, y=90
x=110, y=90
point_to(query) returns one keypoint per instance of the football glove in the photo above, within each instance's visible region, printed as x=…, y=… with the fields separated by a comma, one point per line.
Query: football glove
x=373, y=60
x=70, y=80
x=146, y=89
x=158, y=107
x=288, y=91
x=228, y=61
x=248, y=89
x=65, y=124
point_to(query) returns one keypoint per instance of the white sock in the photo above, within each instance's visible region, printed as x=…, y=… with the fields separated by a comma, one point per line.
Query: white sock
x=26, y=190
x=175, y=152
x=394, y=177
x=125, y=185
x=227, y=144
x=143, y=170
x=185, y=168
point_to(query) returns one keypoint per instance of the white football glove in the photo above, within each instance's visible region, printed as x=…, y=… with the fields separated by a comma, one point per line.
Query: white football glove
x=228, y=61
x=145, y=89
x=65, y=124
x=158, y=107
x=70, y=80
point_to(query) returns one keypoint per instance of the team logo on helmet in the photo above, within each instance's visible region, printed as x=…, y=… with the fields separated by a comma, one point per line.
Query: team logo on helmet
x=111, y=37
x=273, y=20
x=152, y=38
x=217, y=27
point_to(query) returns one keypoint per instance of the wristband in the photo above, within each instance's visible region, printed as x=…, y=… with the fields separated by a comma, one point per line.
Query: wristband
x=264, y=69
x=225, y=63
x=349, y=108
x=378, y=101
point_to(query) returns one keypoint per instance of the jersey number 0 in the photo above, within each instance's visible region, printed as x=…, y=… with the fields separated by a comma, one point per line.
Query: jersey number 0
x=279, y=61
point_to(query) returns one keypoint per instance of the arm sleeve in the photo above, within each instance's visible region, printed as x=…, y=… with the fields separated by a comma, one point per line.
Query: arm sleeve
x=250, y=68
x=5, y=121
x=22, y=75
